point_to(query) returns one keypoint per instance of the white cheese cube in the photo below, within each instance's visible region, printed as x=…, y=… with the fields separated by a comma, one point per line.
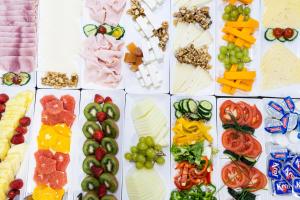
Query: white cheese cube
x=157, y=50
x=152, y=19
x=150, y=3
x=145, y=75
x=149, y=57
x=140, y=78
x=145, y=26
x=152, y=73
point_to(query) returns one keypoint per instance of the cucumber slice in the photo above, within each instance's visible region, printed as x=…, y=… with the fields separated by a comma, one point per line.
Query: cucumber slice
x=248, y=161
x=185, y=106
x=176, y=106
x=90, y=29
x=233, y=156
x=193, y=116
x=282, y=39
x=202, y=111
x=192, y=106
x=206, y=105
x=181, y=105
x=269, y=35
x=178, y=114
x=25, y=78
x=207, y=117
x=109, y=29
x=294, y=36
x=7, y=78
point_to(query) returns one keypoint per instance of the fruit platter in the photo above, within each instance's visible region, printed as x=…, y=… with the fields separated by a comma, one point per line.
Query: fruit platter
x=149, y=100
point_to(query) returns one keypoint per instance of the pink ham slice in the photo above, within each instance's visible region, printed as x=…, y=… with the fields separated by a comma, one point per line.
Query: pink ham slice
x=17, y=40
x=18, y=29
x=18, y=13
x=17, y=52
x=17, y=63
x=17, y=45
x=12, y=23
x=27, y=6
x=12, y=19
x=17, y=35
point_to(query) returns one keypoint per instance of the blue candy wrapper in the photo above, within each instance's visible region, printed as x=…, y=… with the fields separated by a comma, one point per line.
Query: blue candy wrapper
x=289, y=173
x=281, y=187
x=290, y=103
x=274, y=167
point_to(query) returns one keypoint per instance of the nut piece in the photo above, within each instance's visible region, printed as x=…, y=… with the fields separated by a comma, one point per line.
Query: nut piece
x=59, y=80
x=135, y=9
x=163, y=35
x=195, y=15
x=196, y=57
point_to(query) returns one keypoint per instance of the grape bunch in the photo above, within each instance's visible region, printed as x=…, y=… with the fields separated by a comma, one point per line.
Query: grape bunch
x=232, y=12
x=146, y=153
x=232, y=54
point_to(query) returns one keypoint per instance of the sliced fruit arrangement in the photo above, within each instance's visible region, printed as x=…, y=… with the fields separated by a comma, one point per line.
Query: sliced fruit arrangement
x=11, y=78
x=282, y=35
x=116, y=31
x=238, y=32
x=240, y=121
x=100, y=148
x=192, y=149
x=54, y=141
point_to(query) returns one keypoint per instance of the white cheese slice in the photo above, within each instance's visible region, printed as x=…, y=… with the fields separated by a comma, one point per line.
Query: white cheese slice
x=150, y=3
x=195, y=3
x=145, y=26
x=142, y=108
x=159, y=55
x=205, y=39
x=152, y=19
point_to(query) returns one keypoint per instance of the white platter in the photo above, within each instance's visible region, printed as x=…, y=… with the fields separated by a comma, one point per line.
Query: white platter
x=163, y=102
x=254, y=51
x=87, y=96
x=210, y=90
x=259, y=135
x=33, y=145
x=213, y=132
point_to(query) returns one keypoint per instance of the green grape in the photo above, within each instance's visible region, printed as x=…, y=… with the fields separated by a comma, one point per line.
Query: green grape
x=143, y=152
x=134, y=156
x=247, y=11
x=158, y=147
x=232, y=53
x=223, y=50
x=233, y=60
x=139, y=165
x=221, y=57
x=150, y=153
x=128, y=156
x=245, y=52
x=230, y=46
x=227, y=67
x=226, y=61
x=149, y=141
x=240, y=66
x=225, y=17
x=142, y=146
x=234, y=14
x=160, y=160
x=134, y=149
x=142, y=139
x=239, y=55
x=233, y=18
x=240, y=9
x=227, y=9
x=246, y=59
x=141, y=158
x=148, y=165
x=237, y=49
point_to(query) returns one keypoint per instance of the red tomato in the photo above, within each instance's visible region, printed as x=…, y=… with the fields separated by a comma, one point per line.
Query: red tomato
x=232, y=140
x=288, y=33
x=234, y=176
x=247, y=113
x=278, y=32
x=230, y=109
x=257, y=118
x=257, y=149
x=248, y=145
x=258, y=180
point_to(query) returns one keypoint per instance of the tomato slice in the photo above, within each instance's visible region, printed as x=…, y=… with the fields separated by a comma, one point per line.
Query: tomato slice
x=258, y=180
x=257, y=117
x=229, y=109
x=232, y=140
x=247, y=113
x=247, y=145
x=234, y=175
x=256, y=151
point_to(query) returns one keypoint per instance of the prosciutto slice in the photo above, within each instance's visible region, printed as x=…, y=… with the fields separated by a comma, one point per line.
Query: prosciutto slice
x=17, y=29
x=17, y=45
x=17, y=35
x=17, y=40
x=17, y=51
x=17, y=63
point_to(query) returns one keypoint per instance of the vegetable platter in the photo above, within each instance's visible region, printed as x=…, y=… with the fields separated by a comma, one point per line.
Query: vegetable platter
x=232, y=54
x=242, y=119
x=279, y=39
x=20, y=141
x=52, y=152
x=183, y=72
x=139, y=32
x=192, y=151
x=88, y=146
x=135, y=176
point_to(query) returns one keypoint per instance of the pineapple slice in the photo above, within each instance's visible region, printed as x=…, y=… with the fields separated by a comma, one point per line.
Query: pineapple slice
x=4, y=185
x=2, y=195
x=20, y=149
x=4, y=147
x=6, y=173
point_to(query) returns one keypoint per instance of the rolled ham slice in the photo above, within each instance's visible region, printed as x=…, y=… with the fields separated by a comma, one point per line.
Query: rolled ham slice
x=18, y=13
x=17, y=35
x=12, y=19
x=17, y=40
x=13, y=23
x=17, y=63
x=17, y=52
x=18, y=45
x=17, y=29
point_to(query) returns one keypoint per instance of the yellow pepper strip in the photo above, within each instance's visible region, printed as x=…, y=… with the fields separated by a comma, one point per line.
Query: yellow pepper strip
x=189, y=132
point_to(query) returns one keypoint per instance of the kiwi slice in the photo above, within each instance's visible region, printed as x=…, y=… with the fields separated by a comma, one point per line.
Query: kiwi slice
x=89, y=128
x=110, y=164
x=112, y=111
x=90, y=196
x=110, y=128
x=110, y=182
x=109, y=197
x=110, y=145
x=88, y=162
x=91, y=110
x=89, y=147
x=89, y=183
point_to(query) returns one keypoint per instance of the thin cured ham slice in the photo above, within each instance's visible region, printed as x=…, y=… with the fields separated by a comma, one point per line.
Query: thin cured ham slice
x=17, y=52
x=17, y=35
x=18, y=13
x=17, y=29
x=14, y=23
x=17, y=40
x=17, y=63
x=11, y=19
x=18, y=7
x=17, y=45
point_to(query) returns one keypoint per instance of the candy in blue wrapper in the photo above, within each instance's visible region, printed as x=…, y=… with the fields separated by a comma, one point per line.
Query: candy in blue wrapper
x=296, y=163
x=289, y=173
x=279, y=153
x=293, y=122
x=274, y=167
x=275, y=110
x=276, y=129
x=281, y=187
x=296, y=186
x=289, y=103
x=285, y=120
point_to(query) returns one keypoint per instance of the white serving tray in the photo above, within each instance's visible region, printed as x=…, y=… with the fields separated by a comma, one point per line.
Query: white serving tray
x=212, y=49
x=33, y=145
x=87, y=96
x=163, y=102
x=259, y=135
